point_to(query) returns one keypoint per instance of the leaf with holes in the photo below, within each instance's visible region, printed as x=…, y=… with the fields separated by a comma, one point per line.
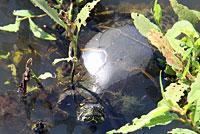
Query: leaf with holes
x=175, y=90
x=161, y=42
x=84, y=14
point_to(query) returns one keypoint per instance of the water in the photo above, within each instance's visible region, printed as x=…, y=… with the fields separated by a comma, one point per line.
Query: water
x=17, y=114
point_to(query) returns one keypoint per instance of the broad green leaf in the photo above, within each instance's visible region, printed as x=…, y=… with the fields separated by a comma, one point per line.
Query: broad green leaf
x=163, y=119
x=13, y=69
x=42, y=4
x=178, y=28
x=197, y=13
x=145, y=120
x=4, y=55
x=11, y=27
x=23, y=13
x=181, y=131
x=194, y=94
x=61, y=59
x=143, y=24
x=183, y=12
x=157, y=12
x=38, y=32
x=84, y=14
x=46, y=75
x=175, y=91
x=195, y=111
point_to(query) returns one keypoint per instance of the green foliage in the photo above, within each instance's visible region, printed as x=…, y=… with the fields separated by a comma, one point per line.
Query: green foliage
x=22, y=15
x=184, y=13
x=38, y=32
x=143, y=24
x=11, y=27
x=181, y=48
x=42, y=4
x=46, y=75
x=181, y=131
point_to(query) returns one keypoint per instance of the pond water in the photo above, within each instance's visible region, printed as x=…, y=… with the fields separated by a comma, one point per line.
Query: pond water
x=16, y=116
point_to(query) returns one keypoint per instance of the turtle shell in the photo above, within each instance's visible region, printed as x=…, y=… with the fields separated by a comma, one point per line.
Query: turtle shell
x=120, y=64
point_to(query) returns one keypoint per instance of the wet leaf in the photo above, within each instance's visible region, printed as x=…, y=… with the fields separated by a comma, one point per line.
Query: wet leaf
x=31, y=88
x=178, y=28
x=4, y=55
x=61, y=59
x=46, y=75
x=38, y=32
x=145, y=120
x=23, y=13
x=175, y=91
x=13, y=69
x=181, y=131
x=42, y=4
x=84, y=14
x=12, y=27
x=163, y=45
x=194, y=94
x=143, y=24
x=183, y=12
x=17, y=56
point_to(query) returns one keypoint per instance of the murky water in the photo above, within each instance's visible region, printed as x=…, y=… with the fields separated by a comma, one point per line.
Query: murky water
x=15, y=115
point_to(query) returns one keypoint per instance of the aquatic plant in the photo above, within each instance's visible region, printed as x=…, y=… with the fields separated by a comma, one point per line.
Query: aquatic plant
x=181, y=49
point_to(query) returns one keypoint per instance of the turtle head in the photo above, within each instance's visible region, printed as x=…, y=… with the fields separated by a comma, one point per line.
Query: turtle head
x=91, y=112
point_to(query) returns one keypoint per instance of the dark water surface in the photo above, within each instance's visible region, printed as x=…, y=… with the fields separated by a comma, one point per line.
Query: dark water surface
x=15, y=115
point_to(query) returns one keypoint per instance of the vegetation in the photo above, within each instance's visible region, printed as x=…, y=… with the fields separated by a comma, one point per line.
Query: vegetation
x=180, y=47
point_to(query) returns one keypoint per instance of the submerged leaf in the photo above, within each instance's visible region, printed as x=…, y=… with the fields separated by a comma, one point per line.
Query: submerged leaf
x=194, y=94
x=161, y=42
x=143, y=24
x=17, y=56
x=23, y=13
x=4, y=55
x=13, y=69
x=61, y=59
x=46, y=75
x=181, y=131
x=145, y=120
x=38, y=32
x=42, y=4
x=12, y=27
x=175, y=91
x=183, y=12
x=84, y=14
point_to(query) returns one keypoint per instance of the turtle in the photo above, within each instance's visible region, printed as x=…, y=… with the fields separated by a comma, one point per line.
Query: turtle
x=120, y=67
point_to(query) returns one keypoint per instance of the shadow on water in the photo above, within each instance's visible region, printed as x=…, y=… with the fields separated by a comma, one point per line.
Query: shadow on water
x=17, y=116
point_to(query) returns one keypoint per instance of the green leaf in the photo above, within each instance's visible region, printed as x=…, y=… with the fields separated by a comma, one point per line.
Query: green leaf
x=23, y=13
x=175, y=91
x=178, y=28
x=186, y=70
x=194, y=94
x=4, y=55
x=38, y=32
x=181, y=131
x=46, y=75
x=157, y=12
x=183, y=12
x=13, y=69
x=42, y=4
x=84, y=14
x=145, y=120
x=187, y=54
x=143, y=24
x=195, y=112
x=31, y=88
x=12, y=27
x=61, y=59
x=169, y=70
